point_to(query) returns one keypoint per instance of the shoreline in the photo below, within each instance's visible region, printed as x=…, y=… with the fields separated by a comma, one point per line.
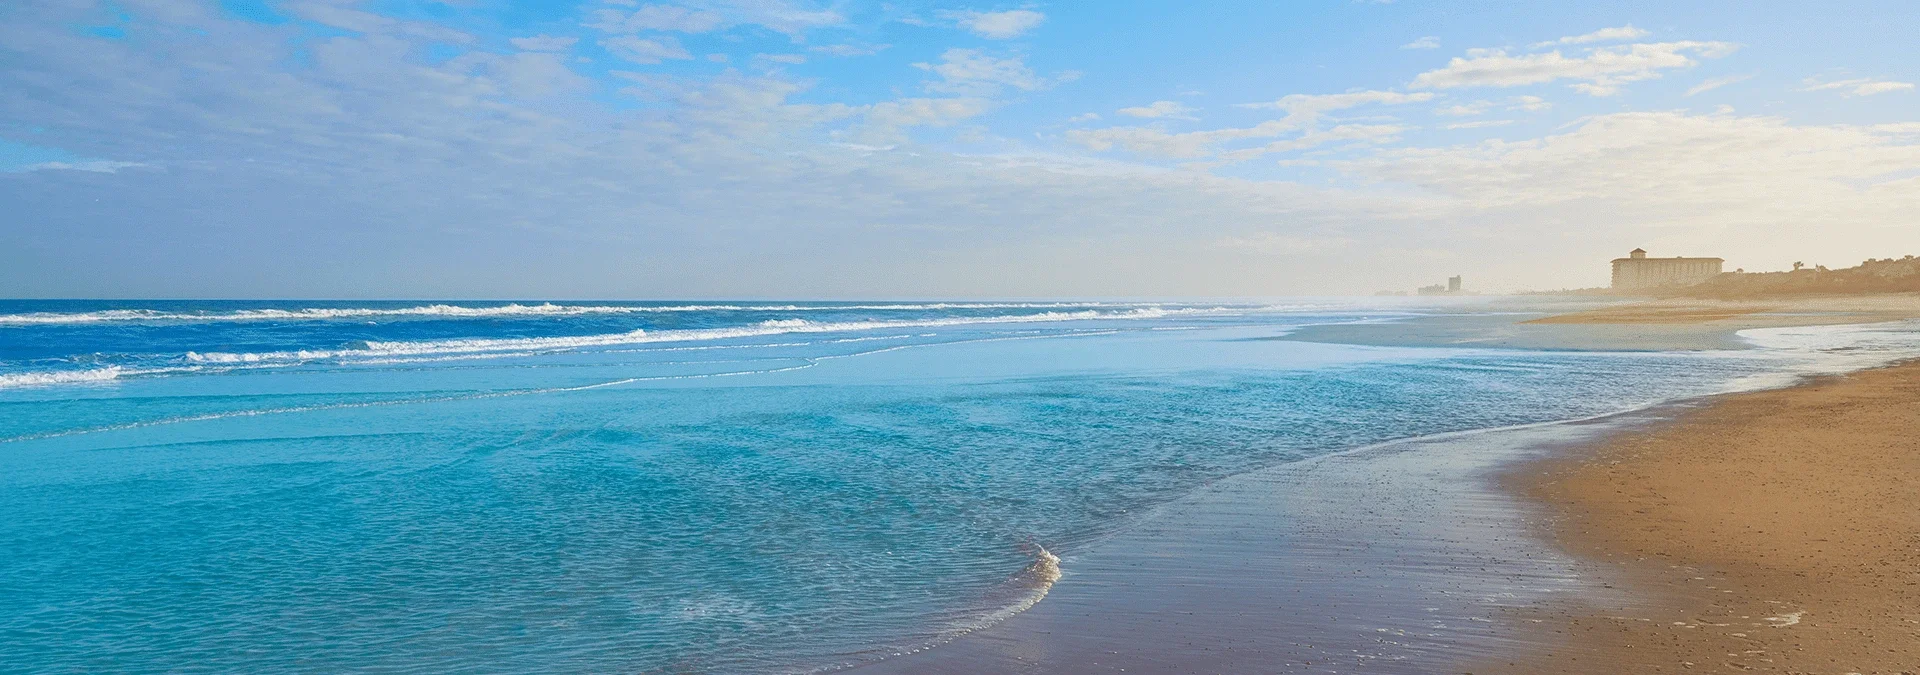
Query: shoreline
x=1150, y=600
x=1766, y=531
x=1213, y=581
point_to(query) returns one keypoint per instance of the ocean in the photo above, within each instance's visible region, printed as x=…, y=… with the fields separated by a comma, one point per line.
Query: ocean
x=536, y=486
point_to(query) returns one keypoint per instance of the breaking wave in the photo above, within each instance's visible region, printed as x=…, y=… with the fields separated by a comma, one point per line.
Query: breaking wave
x=31, y=379
x=385, y=349
x=509, y=310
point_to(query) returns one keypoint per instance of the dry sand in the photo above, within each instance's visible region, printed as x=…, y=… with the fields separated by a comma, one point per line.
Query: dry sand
x=1775, y=531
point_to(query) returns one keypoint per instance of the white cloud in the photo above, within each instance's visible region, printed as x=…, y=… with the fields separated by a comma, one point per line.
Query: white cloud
x=1603, y=69
x=1621, y=34
x=526, y=75
x=368, y=22
x=1159, y=110
x=94, y=166
x=1363, y=133
x=1517, y=103
x=1428, y=42
x=996, y=25
x=1305, y=109
x=1713, y=83
x=1748, y=166
x=1859, y=87
x=701, y=16
x=1302, y=118
x=657, y=17
x=645, y=50
x=914, y=112
x=1318, y=103
x=369, y=153
x=1084, y=117
x=782, y=16
x=544, y=43
x=1464, y=109
x=849, y=50
x=1530, y=104
x=791, y=59
x=1480, y=124
x=971, y=72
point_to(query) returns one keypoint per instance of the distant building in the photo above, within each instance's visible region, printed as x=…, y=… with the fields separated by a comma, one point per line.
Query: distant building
x=1637, y=271
x=1452, y=287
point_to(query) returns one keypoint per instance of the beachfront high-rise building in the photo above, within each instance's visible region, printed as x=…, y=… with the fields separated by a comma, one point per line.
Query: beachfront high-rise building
x=1638, y=271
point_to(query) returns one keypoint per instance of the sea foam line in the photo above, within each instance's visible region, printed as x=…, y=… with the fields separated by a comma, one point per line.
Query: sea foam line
x=387, y=349
x=40, y=378
x=1028, y=588
x=805, y=362
x=46, y=377
x=509, y=310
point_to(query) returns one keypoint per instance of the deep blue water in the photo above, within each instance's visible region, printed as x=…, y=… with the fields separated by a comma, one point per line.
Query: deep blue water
x=636, y=487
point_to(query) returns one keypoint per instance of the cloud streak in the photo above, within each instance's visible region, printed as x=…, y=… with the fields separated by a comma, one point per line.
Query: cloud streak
x=1621, y=34
x=1160, y=110
x=1602, y=71
x=997, y=25
x=1859, y=87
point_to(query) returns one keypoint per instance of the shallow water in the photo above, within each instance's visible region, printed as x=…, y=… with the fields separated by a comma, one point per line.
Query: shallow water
x=737, y=487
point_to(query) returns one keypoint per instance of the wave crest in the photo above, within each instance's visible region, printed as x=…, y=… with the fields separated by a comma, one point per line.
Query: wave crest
x=508, y=310
x=32, y=379
x=389, y=349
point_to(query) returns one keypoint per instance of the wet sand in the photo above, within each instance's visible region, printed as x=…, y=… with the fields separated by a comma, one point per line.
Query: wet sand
x=1401, y=558
x=1756, y=313
x=1776, y=531
x=1491, y=552
x=1611, y=324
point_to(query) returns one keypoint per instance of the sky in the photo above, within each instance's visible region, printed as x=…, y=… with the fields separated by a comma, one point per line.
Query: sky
x=800, y=149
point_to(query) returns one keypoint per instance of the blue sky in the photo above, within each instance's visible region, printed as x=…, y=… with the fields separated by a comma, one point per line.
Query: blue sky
x=785, y=148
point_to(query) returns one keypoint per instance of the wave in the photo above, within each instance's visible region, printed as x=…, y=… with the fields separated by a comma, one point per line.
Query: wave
x=388, y=350
x=509, y=310
x=1017, y=594
x=33, y=379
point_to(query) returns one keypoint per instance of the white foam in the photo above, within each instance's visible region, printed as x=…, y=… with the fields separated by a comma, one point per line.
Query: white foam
x=41, y=378
x=1831, y=350
x=388, y=350
x=509, y=310
x=1027, y=589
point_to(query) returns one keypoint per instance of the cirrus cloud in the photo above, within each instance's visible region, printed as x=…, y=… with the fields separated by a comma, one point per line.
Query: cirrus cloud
x=1621, y=34
x=1159, y=110
x=1858, y=87
x=997, y=25
x=645, y=50
x=1603, y=70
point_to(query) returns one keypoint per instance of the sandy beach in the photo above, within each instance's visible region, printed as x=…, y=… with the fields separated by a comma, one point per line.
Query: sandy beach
x=1762, y=532
x=1776, y=531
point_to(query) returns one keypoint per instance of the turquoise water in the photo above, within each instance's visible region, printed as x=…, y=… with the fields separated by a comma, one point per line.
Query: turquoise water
x=660, y=487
